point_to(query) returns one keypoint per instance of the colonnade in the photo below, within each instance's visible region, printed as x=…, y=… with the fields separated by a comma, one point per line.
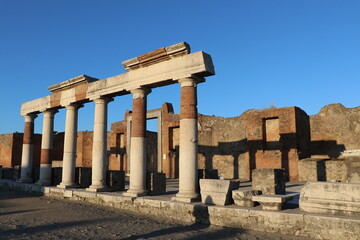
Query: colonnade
x=188, y=144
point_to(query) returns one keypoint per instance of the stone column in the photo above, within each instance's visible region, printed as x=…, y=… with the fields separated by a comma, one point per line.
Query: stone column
x=188, y=159
x=27, y=151
x=46, y=148
x=138, y=151
x=99, y=152
x=70, y=138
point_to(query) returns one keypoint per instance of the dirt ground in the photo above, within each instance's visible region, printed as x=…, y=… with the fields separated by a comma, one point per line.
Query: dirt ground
x=30, y=216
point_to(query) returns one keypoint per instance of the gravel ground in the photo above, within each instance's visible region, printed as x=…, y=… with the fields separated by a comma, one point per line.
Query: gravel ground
x=30, y=216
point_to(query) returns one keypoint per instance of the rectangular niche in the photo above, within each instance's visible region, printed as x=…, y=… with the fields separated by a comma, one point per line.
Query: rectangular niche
x=271, y=133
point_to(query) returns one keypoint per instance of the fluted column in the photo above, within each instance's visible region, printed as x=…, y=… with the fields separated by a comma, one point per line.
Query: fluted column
x=188, y=159
x=27, y=151
x=138, y=149
x=46, y=148
x=99, y=150
x=70, y=138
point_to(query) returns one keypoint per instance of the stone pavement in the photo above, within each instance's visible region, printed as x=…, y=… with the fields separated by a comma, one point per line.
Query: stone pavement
x=290, y=221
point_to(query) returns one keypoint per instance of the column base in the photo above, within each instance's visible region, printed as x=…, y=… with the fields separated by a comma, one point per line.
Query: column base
x=65, y=186
x=25, y=180
x=43, y=183
x=93, y=188
x=130, y=193
x=186, y=197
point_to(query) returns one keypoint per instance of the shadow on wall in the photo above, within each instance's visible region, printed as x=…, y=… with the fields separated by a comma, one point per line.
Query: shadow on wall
x=233, y=149
x=328, y=148
x=266, y=154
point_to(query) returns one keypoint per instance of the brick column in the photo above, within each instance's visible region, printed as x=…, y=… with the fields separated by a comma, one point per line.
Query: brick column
x=27, y=151
x=99, y=152
x=138, y=151
x=46, y=148
x=69, y=158
x=188, y=160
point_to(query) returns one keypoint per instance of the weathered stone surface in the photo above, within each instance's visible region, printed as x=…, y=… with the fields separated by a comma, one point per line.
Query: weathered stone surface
x=273, y=202
x=335, y=170
x=218, y=192
x=333, y=129
x=156, y=56
x=331, y=198
x=312, y=169
x=156, y=183
x=243, y=198
x=352, y=169
x=269, y=181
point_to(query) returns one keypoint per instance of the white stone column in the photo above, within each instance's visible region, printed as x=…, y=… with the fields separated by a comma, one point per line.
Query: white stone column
x=46, y=148
x=27, y=151
x=138, y=148
x=99, y=150
x=188, y=159
x=70, y=140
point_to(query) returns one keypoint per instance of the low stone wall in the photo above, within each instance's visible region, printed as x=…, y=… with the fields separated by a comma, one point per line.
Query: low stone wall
x=284, y=222
x=344, y=169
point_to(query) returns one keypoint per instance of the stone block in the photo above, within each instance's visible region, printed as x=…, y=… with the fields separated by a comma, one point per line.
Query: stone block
x=7, y=173
x=208, y=174
x=273, y=202
x=312, y=169
x=243, y=198
x=115, y=180
x=83, y=176
x=331, y=198
x=335, y=170
x=217, y=192
x=56, y=176
x=68, y=193
x=36, y=174
x=156, y=183
x=352, y=169
x=17, y=171
x=269, y=180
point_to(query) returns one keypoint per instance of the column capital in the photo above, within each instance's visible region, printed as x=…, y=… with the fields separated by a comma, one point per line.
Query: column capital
x=49, y=112
x=30, y=117
x=74, y=106
x=190, y=81
x=103, y=99
x=140, y=92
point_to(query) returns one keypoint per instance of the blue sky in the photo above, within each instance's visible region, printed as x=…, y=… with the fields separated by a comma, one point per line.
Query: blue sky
x=303, y=53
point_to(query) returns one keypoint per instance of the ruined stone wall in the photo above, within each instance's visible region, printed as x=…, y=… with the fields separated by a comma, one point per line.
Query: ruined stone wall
x=335, y=129
x=222, y=144
x=6, y=145
x=84, y=149
x=117, y=146
x=11, y=149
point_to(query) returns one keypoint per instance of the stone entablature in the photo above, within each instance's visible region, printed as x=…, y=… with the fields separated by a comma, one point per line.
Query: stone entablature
x=71, y=83
x=156, y=56
x=198, y=65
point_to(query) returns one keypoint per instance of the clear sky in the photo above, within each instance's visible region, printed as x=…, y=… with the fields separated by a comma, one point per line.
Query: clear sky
x=303, y=53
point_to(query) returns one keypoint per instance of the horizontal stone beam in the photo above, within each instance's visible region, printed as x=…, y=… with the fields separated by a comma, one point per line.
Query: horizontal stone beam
x=198, y=64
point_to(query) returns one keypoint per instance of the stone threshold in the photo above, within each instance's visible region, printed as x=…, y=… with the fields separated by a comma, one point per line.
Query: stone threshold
x=288, y=222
